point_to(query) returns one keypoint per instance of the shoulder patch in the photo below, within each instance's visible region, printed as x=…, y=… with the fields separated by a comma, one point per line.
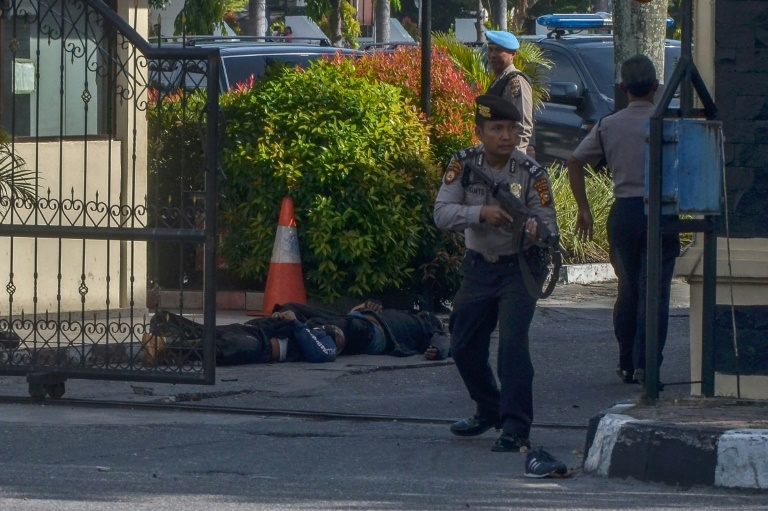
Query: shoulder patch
x=514, y=87
x=542, y=188
x=453, y=171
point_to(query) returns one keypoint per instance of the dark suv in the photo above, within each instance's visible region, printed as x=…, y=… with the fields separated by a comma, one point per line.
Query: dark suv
x=242, y=58
x=581, y=83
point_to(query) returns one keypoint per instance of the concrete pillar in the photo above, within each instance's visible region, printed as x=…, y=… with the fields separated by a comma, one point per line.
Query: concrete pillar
x=734, y=66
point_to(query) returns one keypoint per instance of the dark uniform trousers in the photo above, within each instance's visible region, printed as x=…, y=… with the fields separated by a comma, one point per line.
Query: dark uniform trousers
x=492, y=292
x=627, y=238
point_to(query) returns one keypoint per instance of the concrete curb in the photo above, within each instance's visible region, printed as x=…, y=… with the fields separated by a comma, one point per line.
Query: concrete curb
x=586, y=273
x=621, y=446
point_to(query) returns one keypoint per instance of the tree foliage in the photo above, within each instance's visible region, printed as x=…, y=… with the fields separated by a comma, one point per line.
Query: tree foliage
x=349, y=26
x=16, y=179
x=198, y=17
x=452, y=121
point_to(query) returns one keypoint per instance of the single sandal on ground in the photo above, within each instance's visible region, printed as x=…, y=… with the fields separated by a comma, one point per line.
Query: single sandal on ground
x=539, y=463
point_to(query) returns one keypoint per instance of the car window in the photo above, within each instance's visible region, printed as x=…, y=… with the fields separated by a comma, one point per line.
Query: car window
x=562, y=69
x=240, y=68
x=599, y=61
x=671, y=56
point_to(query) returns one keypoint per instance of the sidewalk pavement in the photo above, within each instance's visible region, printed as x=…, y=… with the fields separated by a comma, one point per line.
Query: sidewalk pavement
x=680, y=440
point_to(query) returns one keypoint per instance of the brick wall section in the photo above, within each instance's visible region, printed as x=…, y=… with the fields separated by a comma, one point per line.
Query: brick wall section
x=751, y=325
x=741, y=94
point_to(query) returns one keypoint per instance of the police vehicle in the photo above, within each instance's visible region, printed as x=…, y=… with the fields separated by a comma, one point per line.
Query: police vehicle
x=580, y=82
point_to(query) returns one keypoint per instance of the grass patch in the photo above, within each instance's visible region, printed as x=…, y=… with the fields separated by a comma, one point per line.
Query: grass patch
x=600, y=195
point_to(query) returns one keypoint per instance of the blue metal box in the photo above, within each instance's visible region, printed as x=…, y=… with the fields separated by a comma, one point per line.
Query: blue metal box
x=692, y=167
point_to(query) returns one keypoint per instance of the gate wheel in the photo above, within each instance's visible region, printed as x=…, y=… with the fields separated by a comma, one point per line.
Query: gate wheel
x=55, y=390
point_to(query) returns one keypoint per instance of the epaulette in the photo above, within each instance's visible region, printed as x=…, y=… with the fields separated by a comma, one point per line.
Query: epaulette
x=466, y=154
x=529, y=164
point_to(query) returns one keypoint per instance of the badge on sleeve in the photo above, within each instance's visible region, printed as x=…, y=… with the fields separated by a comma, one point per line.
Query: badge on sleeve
x=452, y=172
x=515, y=87
x=542, y=187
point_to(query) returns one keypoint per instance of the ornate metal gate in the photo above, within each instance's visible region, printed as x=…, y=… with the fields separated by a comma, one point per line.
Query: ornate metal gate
x=108, y=164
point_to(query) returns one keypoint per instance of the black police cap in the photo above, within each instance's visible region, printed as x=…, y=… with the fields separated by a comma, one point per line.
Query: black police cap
x=494, y=108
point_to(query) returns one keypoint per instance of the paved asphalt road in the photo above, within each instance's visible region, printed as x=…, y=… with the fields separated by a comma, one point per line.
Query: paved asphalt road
x=79, y=458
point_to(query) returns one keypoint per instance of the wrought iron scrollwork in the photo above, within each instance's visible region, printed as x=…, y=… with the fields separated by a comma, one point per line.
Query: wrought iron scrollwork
x=98, y=83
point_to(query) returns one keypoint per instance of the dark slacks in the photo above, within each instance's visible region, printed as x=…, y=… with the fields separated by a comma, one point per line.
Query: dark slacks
x=627, y=238
x=491, y=293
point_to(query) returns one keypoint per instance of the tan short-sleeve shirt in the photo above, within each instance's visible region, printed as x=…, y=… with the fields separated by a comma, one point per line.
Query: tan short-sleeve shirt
x=620, y=138
x=519, y=92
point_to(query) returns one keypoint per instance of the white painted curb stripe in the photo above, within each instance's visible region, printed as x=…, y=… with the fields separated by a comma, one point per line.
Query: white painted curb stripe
x=286, y=247
x=599, y=456
x=587, y=273
x=742, y=459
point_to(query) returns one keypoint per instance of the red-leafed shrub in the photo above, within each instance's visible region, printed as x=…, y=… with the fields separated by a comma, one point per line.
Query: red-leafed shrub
x=452, y=120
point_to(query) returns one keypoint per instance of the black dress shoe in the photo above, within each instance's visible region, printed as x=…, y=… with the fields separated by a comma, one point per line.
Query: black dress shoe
x=511, y=443
x=473, y=426
x=625, y=375
x=639, y=377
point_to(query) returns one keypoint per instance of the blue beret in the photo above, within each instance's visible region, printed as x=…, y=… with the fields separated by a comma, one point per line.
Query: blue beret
x=495, y=108
x=504, y=39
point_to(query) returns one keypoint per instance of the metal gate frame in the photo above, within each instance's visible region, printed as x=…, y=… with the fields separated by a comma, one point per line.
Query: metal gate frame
x=51, y=346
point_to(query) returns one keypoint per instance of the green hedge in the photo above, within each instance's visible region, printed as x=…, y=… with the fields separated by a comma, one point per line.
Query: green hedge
x=356, y=160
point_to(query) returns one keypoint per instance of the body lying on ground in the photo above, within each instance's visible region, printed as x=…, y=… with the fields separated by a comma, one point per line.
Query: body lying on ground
x=297, y=332
x=374, y=330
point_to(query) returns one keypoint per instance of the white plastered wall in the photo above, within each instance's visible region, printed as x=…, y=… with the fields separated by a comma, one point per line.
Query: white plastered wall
x=746, y=278
x=115, y=272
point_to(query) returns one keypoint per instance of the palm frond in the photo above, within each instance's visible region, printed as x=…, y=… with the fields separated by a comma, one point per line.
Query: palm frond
x=469, y=60
x=16, y=180
x=530, y=59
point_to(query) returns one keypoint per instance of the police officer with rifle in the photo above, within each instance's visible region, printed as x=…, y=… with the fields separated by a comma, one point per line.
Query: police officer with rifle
x=502, y=201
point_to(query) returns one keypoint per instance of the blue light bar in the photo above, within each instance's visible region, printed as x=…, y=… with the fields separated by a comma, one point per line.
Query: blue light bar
x=581, y=21
x=576, y=21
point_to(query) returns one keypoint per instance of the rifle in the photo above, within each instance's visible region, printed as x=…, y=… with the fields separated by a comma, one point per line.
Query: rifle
x=518, y=214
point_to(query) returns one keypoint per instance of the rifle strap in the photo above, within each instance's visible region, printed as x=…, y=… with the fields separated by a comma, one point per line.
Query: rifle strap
x=531, y=285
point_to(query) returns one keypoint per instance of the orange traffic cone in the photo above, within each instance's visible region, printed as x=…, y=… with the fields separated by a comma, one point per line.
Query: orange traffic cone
x=285, y=282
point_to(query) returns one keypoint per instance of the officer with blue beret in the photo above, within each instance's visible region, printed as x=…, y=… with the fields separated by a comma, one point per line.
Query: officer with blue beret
x=511, y=83
x=493, y=286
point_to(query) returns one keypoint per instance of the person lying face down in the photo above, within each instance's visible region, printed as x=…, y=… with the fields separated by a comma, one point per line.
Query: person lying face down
x=371, y=329
x=174, y=339
x=297, y=332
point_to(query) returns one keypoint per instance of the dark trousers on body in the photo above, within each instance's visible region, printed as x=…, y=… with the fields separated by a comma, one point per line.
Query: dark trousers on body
x=491, y=293
x=627, y=238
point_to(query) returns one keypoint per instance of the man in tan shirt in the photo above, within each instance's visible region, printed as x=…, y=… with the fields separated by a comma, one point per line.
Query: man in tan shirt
x=620, y=139
x=511, y=83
